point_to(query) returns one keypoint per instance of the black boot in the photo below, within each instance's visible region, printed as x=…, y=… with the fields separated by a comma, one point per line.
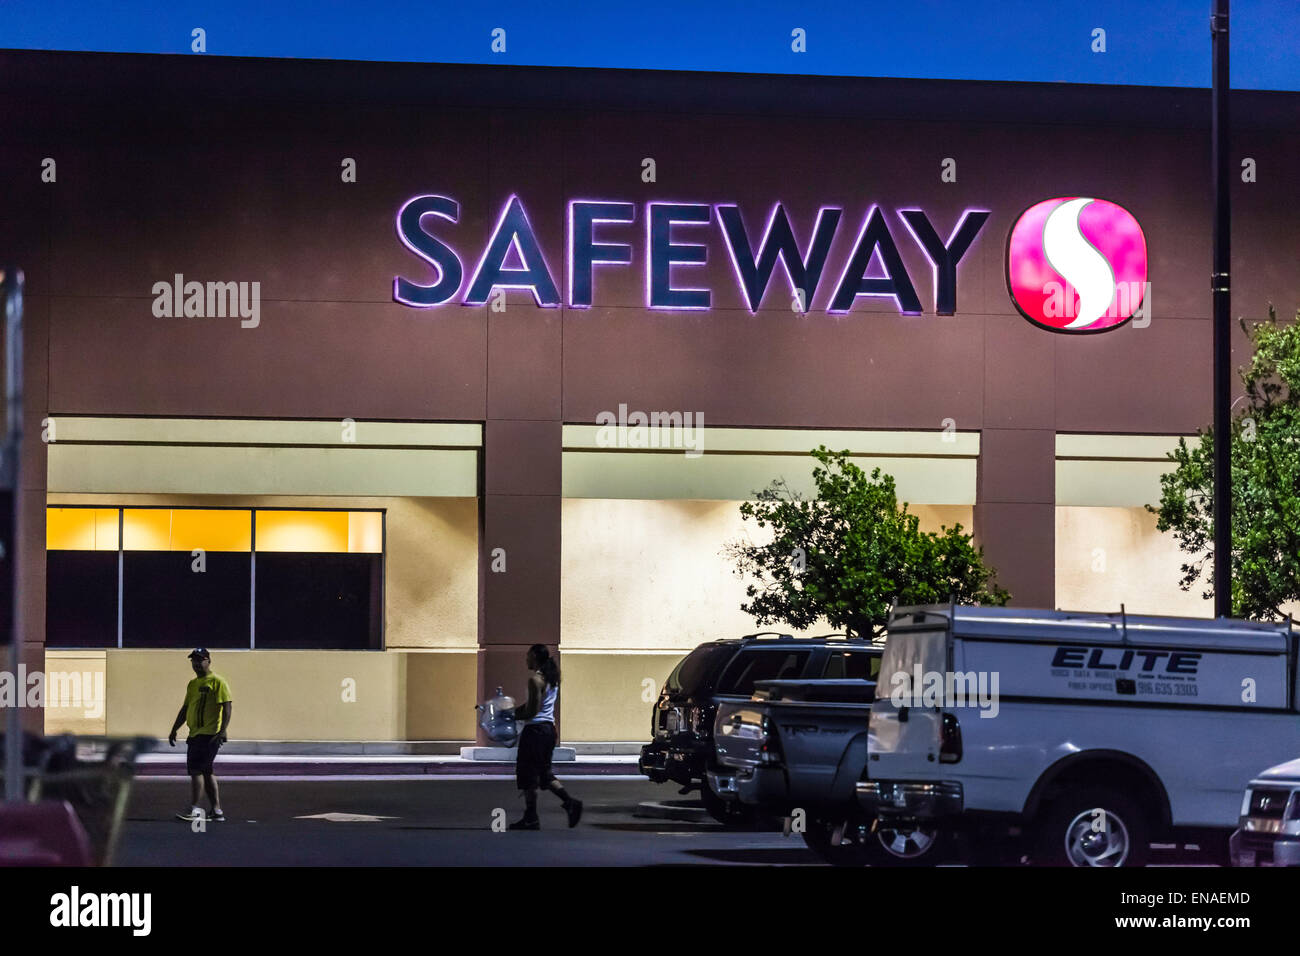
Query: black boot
x=530, y=820
x=572, y=807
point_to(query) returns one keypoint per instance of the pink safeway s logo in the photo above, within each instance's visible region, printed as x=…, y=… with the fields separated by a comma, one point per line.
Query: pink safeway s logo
x=1077, y=265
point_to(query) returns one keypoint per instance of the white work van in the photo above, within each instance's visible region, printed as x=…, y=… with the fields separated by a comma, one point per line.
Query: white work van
x=1090, y=735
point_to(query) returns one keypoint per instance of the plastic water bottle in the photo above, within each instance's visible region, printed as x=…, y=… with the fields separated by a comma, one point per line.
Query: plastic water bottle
x=497, y=718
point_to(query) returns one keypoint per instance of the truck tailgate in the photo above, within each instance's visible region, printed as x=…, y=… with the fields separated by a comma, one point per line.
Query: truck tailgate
x=905, y=738
x=739, y=735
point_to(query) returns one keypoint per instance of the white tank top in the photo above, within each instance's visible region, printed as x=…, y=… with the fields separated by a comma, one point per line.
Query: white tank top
x=546, y=711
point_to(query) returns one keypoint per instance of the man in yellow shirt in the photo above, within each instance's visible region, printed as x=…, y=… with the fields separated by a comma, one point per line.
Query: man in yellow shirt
x=206, y=710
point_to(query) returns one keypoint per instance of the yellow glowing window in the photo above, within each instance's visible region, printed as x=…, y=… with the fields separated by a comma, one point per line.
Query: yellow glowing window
x=185, y=529
x=81, y=529
x=332, y=532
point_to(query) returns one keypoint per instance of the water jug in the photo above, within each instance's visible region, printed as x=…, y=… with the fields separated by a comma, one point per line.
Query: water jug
x=497, y=718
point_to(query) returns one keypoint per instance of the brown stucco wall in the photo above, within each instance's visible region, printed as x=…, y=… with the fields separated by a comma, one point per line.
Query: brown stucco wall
x=229, y=170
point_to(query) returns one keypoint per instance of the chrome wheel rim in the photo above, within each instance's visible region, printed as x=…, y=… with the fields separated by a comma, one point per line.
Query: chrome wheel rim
x=1097, y=837
x=906, y=843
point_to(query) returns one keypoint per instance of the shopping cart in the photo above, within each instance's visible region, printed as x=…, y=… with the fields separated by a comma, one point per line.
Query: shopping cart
x=77, y=790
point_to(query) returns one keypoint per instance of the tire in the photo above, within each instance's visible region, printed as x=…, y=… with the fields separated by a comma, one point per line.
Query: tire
x=907, y=844
x=855, y=849
x=865, y=844
x=1073, y=832
x=730, y=813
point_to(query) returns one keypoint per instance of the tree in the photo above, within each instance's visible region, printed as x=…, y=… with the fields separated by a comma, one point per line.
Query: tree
x=1265, y=482
x=849, y=554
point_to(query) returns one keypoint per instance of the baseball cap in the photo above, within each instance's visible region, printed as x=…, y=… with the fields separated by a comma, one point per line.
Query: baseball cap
x=200, y=652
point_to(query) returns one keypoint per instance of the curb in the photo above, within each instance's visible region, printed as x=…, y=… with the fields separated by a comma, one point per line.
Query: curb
x=691, y=811
x=236, y=768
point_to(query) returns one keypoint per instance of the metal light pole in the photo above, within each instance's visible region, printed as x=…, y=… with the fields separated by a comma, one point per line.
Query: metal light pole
x=11, y=283
x=1219, y=284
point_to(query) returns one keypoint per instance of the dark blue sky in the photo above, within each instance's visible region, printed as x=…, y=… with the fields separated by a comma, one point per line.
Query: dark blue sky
x=1148, y=42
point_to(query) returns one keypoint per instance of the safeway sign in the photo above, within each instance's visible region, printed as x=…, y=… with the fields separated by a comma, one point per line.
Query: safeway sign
x=663, y=239
x=1073, y=264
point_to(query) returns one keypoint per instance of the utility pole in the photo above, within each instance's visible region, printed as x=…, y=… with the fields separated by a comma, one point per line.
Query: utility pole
x=11, y=284
x=1220, y=286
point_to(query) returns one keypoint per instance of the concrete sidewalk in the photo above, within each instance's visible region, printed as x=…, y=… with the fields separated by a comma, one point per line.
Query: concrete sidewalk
x=351, y=748
x=170, y=762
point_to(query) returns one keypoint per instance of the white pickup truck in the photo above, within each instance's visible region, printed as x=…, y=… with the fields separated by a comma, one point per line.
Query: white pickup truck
x=1092, y=734
x=1269, y=834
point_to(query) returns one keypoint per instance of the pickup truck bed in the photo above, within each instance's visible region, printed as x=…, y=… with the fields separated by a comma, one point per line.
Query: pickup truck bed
x=795, y=744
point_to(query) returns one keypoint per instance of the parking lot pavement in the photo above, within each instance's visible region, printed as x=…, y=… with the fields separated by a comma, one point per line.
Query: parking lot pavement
x=419, y=822
x=440, y=821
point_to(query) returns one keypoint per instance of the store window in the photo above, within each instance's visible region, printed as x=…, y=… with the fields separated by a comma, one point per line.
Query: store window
x=81, y=561
x=185, y=577
x=319, y=579
x=218, y=577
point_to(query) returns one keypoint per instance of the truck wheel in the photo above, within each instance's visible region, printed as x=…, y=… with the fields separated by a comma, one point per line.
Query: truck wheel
x=1096, y=827
x=854, y=849
x=911, y=844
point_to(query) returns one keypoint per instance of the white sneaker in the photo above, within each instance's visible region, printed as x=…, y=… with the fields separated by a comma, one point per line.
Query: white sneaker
x=195, y=813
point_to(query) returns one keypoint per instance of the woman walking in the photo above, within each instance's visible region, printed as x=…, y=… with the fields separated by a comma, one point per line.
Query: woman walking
x=537, y=742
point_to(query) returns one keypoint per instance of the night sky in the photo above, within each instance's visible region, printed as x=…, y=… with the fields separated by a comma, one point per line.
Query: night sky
x=1148, y=42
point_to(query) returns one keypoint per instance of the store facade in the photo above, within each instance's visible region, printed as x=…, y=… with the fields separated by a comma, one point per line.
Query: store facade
x=367, y=376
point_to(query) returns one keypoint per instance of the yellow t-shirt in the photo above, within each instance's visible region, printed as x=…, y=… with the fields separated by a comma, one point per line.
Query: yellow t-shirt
x=203, y=699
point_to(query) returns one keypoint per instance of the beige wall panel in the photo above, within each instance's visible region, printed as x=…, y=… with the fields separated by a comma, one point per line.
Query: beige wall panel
x=432, y=572
x=1111, y=556
x=440, y=696
x=640, y=575
x=278, y=695
x=81, y=706
x=245, y=431
x=1109, y=484
x=647, y=475
x=251, y=470
x=797, y=440
x=1115, y=446
x=601, y=695
x=937, y=517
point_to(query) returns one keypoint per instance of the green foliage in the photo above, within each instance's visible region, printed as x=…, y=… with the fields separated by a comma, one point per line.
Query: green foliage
x=1265, y=482
x=851, y=553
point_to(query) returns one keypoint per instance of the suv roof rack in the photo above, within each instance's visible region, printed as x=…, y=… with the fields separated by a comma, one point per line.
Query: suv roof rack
x=782, y=636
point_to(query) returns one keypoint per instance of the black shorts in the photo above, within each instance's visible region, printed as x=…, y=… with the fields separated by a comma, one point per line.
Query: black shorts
x=200, y=751
x=533, y=763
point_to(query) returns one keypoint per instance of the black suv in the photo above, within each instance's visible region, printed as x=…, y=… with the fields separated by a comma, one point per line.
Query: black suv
x=681, y=726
